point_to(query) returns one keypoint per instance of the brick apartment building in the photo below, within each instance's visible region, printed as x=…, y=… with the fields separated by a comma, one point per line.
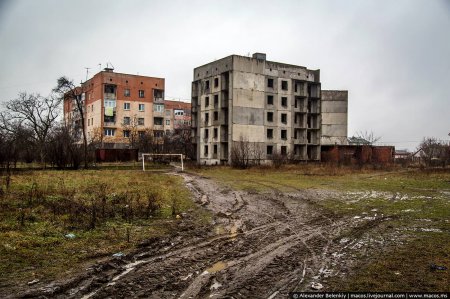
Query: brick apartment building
x=118, y=105
x=274, y=106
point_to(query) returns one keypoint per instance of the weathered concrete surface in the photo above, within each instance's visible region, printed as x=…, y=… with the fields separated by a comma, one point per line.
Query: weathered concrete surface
x=334, y=117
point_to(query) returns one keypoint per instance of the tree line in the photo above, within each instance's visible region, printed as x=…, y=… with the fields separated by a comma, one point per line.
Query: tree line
x=33, y=129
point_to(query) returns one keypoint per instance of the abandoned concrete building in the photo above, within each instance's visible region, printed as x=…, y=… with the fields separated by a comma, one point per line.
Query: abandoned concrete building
x=278, y=108
x=120, y=106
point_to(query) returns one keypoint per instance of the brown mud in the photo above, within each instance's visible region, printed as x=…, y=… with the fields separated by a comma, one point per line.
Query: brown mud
x=258, y=246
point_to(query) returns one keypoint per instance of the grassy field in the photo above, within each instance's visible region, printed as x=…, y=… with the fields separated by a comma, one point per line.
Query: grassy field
x=107, y=211
x=417, y=204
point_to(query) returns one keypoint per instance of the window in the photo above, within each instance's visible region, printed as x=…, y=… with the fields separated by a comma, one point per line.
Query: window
x=295, y=87
x=110, y=103
x=270, y=116
x=167, y=122
x=158, y=121
x=206, y=84
x=141, y=134
x=284, y=101
x=158, y=134
x=206, y=101
x=284, y=134
x=205, y=150
x=126, y=92
x=206, y=133
x=269, y=149
x=141, y=107
x=269, y=133
x=269, y=100
x=215, y=149
x=284, y=150
x=270, y=83
x=126, y=133
x=141, y=93
x=284, y=118
x=158, y=108
x=140, y=121
x=126, y=106
x=216, y=132
x=284, y=85
x=206, y=118
x=179, y=112
x=89, y=121
x=109, y=132
x=92, y=108
x=216, y=115
x=216, y=82
x=216, y=100
x=126, y=120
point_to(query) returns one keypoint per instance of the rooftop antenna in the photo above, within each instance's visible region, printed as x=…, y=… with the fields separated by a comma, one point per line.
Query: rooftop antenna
x=99, y=67
x=87, y=72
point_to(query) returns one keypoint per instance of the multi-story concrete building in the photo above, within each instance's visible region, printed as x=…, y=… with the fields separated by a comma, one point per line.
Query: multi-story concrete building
x=334, y=117
x=178, y=115
x=121, y=107
x=276, y=107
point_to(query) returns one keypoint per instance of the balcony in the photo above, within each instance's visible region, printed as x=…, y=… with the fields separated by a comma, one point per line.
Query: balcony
x=109, y=124
x=109, y=96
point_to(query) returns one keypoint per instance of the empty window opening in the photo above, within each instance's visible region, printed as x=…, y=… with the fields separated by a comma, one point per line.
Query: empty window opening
x=207, y=84
x=206, y=133
x=284, y=150
x=216, y=82
x=158, y=121
x=206, y=118
x=206, y=101
x=270, y=83
x=284, y=85
x=284, y=118
x=284, y=134
x=215, y=149
x=216, y=115
x=216, y=132
x=205, y=150
x=284, y=101
x=270, y=116
x=269, y=133
x=270, y=149
x=216, y=100
x=270, y=100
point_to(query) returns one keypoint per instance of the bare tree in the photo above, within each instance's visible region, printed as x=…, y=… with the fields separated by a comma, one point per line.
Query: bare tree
x=369, y=137
x=37, y=113
x=433, y=151
x=245, y=154
x=68, y=91
x=132, y=127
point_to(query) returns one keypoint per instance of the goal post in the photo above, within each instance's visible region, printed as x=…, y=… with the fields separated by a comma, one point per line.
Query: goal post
x=162, y=155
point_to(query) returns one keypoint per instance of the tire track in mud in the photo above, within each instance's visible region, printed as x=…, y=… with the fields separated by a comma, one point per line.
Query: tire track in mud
x=270, y=244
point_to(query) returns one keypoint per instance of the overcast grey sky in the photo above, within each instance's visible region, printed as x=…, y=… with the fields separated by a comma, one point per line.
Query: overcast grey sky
x=392, y=56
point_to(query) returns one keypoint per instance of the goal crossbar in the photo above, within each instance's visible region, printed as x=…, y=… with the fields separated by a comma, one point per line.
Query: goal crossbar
x=176, y=155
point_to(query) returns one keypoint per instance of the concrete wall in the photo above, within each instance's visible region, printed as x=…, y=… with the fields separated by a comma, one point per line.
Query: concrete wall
x=334, y=117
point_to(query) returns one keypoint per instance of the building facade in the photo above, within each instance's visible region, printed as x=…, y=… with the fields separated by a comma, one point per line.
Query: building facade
x=334, y=117
x=273, y=106
x=118, y=108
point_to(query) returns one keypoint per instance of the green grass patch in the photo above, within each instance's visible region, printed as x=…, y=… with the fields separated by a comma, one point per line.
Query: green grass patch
x=107, y=210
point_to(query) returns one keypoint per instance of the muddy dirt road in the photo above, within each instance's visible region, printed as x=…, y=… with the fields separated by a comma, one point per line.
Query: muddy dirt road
x=258, y=246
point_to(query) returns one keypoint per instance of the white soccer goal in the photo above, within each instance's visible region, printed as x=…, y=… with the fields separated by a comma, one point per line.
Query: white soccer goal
x=161, y=155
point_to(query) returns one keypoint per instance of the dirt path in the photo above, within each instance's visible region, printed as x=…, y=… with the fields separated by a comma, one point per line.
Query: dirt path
x=259, y=246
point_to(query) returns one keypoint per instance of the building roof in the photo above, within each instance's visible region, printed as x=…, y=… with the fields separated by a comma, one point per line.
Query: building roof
x=177, y=105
